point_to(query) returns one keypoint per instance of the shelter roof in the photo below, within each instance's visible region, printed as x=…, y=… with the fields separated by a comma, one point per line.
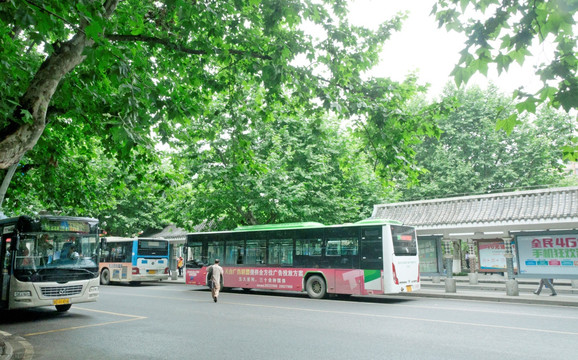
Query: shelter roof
x=175, y=233
x=489, y=214
x=170, y=232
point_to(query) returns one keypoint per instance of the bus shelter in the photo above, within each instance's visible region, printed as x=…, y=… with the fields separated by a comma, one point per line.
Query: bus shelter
x=531, y=234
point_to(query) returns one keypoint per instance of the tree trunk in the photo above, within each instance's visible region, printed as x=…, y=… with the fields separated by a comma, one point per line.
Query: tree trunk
x=36, y=100
x=5, y=183
x=17, y=138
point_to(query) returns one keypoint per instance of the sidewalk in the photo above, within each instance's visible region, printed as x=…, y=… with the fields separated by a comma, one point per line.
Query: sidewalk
x=493, y=288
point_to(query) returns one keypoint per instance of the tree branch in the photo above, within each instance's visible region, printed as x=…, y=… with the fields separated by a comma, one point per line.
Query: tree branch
x=170, y=45
x=74, y=26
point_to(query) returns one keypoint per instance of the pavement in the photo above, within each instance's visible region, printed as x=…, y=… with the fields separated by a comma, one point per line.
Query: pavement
x=488, y=288
x=493, y=288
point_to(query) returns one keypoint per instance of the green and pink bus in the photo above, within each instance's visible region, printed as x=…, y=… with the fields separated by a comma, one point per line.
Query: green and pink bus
x=371, y=257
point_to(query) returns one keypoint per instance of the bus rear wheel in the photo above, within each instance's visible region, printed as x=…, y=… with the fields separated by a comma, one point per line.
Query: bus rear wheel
x=63, y=308
x=105, y=277
x=316, y=288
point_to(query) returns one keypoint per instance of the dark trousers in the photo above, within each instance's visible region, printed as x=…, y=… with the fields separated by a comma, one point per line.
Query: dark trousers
x=549, y=284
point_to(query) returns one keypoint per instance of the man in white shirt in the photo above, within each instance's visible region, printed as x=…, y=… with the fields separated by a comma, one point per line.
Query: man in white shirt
x=215, y=278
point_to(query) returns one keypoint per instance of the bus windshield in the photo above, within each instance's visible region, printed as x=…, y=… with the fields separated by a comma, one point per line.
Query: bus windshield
x=49, y=255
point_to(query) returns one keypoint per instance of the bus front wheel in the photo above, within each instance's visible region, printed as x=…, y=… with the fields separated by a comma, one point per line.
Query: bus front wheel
x=316, y=288
x=105, y=277
x=63, y=308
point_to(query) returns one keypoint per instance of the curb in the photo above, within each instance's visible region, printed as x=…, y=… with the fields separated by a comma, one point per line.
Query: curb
x=520, y=299
x=6, y=350
x=15, y=347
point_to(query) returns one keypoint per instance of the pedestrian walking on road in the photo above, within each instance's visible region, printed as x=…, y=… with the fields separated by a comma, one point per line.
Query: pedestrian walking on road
x=549, y=283
x=215, y=279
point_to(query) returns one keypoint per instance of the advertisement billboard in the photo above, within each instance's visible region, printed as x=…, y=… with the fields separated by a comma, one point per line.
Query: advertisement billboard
x=492, y=256
x=429, y=261
x=548, y=255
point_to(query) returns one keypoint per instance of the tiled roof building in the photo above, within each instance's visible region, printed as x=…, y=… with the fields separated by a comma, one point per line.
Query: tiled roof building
x=545, y=209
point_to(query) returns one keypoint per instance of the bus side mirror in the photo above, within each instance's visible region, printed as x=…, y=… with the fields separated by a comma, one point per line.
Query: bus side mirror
x=103, y=243
x=185, y=251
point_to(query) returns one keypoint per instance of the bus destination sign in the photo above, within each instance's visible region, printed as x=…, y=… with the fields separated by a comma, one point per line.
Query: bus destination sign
x=66, y=226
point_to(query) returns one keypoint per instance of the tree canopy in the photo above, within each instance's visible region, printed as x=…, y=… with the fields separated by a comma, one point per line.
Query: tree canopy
x=246, y=170
x=248, y=93
x=501, y=32
x=134, y=73
x=471, y=156
x=126, y=67
x=224, y=171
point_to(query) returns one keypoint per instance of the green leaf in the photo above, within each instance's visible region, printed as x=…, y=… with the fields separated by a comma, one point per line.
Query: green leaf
x=94, y=31
x=528, y=105
x=508, y=124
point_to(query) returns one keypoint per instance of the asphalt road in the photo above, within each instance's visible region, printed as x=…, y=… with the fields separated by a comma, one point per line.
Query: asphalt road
x=176, y=321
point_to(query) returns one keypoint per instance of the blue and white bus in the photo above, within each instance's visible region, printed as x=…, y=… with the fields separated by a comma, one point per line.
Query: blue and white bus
x=134, y=260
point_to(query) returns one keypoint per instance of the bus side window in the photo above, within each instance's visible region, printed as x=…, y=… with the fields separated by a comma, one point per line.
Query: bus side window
x=234, y=252
x=105, y=254
x=216, y=250
x=343, y=252
x=256, y=252
x=281, y=252
x=308, y=251
x=126, y=255
x=194, y=255
x=333, y=247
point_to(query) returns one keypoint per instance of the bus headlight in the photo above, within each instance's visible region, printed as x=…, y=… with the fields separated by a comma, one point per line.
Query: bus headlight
x=26, y=293
x=93, y=289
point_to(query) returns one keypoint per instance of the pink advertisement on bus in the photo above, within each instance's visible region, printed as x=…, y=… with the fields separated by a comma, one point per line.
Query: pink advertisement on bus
x=341, y=281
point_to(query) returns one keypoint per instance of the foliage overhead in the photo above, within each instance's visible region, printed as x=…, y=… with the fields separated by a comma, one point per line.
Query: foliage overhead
x=501, y=32
x=126, y=67
x=250, y=171
x=471, y=156
x=65, y=175
x=247, y=170
x=108, y=79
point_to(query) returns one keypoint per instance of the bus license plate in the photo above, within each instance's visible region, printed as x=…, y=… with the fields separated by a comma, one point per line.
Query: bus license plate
x=408, y=288
x=152, y=271
x=61, y=301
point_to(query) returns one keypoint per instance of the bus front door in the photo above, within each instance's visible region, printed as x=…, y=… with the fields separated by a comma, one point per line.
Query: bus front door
x=4, y=271
x=372, y=258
